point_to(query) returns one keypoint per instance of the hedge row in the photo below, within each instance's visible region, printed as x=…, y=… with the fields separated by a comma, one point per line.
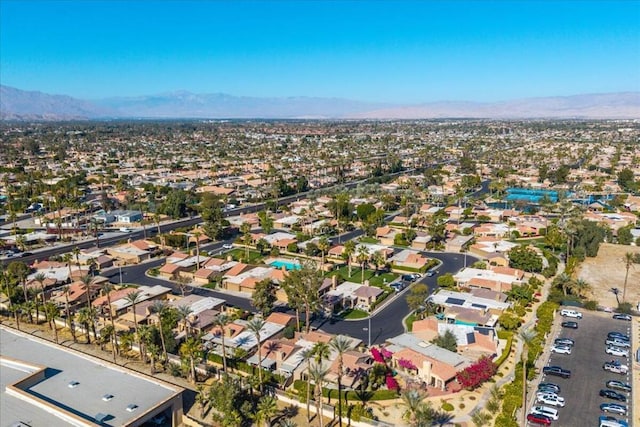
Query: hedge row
x=300, y=387
x=505, y=353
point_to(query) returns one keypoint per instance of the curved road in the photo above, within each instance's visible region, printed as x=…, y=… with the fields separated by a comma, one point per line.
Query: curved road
x=385, y=323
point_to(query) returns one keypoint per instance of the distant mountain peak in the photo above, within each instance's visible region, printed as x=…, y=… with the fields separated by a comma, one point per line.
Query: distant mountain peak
x=16, y=104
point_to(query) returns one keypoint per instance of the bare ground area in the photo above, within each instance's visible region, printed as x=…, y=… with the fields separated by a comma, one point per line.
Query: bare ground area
x=607, y=271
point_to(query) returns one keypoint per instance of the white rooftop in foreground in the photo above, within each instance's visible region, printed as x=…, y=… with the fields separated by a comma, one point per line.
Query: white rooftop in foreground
x=63, y=366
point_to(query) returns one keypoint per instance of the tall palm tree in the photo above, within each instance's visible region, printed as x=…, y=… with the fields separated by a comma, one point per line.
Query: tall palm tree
x=340, y=344
x=307, y=356
x=86, y=317
x=86, y=284
x=221, y=321
x=154, y=352
x=50, y=312
x=66, y=289
x=256, y=326
x=362, y=257
x=160, y=308
x=145, y=338
x=107, y=288
x=197, y=235
x=134, y=298
x=184, y=311
x=16, y=310
x=40, y=278
x=190, y=349
x=321, y=351
x=323, y=245
x=347, y=253
x=581, y=287
x=412, y=400
x=527, y=337
x=267, y=409
x=318, y=375
x=628, y=260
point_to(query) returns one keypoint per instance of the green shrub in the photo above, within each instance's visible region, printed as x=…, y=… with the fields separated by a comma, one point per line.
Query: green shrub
x=591, y=305
x=461, y=406
x=446, y=406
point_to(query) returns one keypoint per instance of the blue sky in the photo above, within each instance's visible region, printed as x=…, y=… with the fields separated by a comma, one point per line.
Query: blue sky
x=401, y=51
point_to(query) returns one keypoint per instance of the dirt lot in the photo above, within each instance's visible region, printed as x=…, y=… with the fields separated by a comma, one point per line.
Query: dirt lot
x=607, y=271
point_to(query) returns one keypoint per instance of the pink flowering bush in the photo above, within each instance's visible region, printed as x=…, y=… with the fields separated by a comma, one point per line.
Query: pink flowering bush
x=386, y=353
x=392, y=384
x=472, y=376
x=377, y=356
x=407, y=364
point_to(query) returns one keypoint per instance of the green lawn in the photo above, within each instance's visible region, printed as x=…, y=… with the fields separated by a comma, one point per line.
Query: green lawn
x=354, y=314
x=383, y=280
x=356, y=276
x=237, y=253
x=367, y=239
x=409, y=321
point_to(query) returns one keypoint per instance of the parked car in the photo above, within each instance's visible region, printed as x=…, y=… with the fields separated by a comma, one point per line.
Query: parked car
x=546, y=411
x=570, y=324
x=614, y=408
x=539, y=419
x=622, y=316
x=564, y=341
x=610, y=394
x=618, y=342
x=570, y=313
x=617, y=351
x=227, y=246
x=431, y=273
x=615, y=367
x=550, y=399
x=620, y=335
x=552, y=386
x=607, y=421
x=557, y=371
x=618, y=385
x=561, y=349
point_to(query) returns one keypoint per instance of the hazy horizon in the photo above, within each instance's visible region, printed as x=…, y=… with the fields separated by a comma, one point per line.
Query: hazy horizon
x=403, y=52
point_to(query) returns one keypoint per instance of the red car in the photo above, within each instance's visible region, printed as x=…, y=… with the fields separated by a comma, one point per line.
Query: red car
x=539, y=419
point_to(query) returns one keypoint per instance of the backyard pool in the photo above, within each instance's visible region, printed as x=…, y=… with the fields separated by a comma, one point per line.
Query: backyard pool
x=530, y=195
x=289, y=265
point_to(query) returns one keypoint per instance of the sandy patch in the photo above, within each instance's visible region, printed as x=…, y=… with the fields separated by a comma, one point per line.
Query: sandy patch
x=607, y=271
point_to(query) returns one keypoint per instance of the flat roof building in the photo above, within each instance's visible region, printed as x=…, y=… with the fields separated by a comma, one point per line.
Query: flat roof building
x=44, y=384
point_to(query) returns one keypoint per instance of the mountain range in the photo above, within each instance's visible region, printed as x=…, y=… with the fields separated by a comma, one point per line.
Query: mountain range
x=16, y=104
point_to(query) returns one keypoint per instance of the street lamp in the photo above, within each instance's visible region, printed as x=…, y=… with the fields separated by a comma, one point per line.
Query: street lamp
x=368, y=330
x=120, y=268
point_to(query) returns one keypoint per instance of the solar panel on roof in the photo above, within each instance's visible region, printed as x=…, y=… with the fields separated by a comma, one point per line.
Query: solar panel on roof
x=454, y=301
x=478, y=306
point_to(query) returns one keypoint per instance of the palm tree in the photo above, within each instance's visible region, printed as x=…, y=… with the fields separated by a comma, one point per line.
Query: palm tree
x=107, y=288
x=197, y=235
x=362, y=257
x=412, y=400
x=86, y=317
x=190, y=349
x=256, y=326
x=134, y=298
x=347, y=253
x=66, y=289
x=628, y=260
x=145, y=337
x=480, y=418
x=50, y=312
x=323, y=245
x=288, y=423
x=86, y=284
x=321, y=351
x=245, y=229
x=159, y=308
x=307, y=356
x=581, y=287
x=340, y=344
x=267, y=409
x=184, y=311
x=40, y=278
x=564, y=281
x=16, y=310
x=318, y=375
x=154, y=352
x=527, y=337
x=221, y=321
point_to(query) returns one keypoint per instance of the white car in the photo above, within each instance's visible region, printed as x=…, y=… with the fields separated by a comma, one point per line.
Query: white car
x=550, y=399
x=570, y=313
x=561, y=349
x=546, y=411
x=615, y=351
x=615, y=367
x=227, y=246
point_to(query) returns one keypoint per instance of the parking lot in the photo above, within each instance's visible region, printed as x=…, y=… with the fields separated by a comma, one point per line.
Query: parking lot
x=581, y=391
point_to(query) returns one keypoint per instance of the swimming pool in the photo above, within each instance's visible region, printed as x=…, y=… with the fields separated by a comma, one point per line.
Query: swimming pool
x=289, y=265
x=530, y=195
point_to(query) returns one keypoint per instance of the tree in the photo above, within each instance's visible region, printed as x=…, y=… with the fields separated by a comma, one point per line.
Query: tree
x=191, y=349
x=264, y=296
x=626, y=180
x=340, y=344
x=184, y=312
x=527, y=337
x=323, y=245
x=134, y=298
x=582, y=288
x=304, y=286
x=307, y=356
x=267, y=409
x=481, y=418
x=417, y=412
x=447, y=340
x=256, y=326
x=159, y=308
x=245, y=229
x=221, y=321
x=86, y=285
x=50, y=312
x=446, y=281
x=348, y=251
x=266, y=221
x=525, y=258
x=362, y=258
x=87, y=317
x=416, y=296
x=624, y=236
x=318, y=375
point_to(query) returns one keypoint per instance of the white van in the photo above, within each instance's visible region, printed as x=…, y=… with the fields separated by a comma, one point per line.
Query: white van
x=546, y=411
x=570, y=313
